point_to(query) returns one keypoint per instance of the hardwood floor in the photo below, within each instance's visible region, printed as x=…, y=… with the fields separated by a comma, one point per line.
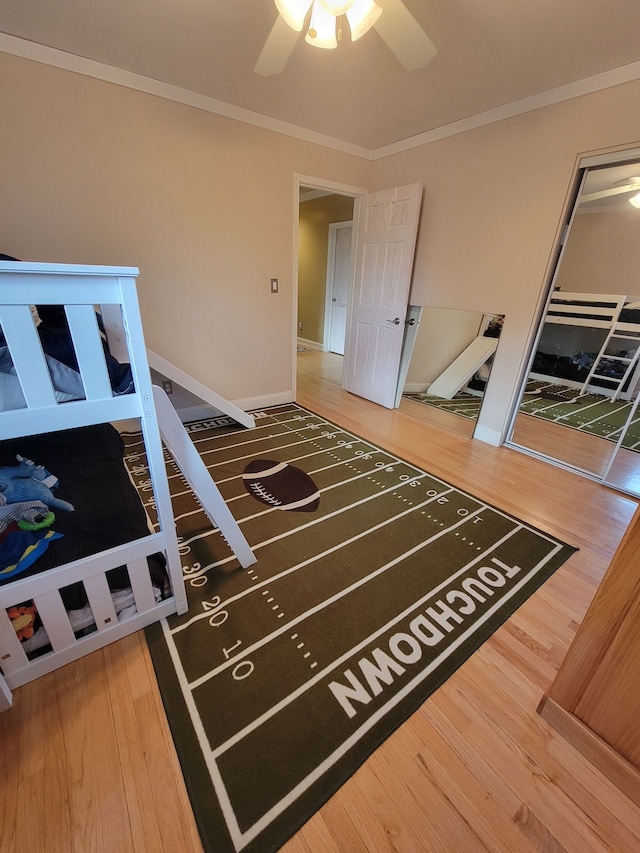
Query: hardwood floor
x=87, y=763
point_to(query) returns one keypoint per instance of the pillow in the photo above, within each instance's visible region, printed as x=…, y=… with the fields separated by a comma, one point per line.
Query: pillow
x=67, y=383
x=11, y=396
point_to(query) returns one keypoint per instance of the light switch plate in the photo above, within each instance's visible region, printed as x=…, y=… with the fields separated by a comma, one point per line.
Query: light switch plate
x=274, y=285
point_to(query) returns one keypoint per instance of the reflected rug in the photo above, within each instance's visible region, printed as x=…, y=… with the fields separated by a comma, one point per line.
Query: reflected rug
x=592, y=413
x=374, y=582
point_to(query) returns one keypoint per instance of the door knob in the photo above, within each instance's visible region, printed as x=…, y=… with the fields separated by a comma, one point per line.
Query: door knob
x=395, y=322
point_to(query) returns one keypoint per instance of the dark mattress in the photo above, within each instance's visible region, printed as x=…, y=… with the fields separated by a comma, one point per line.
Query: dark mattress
x=108, y=512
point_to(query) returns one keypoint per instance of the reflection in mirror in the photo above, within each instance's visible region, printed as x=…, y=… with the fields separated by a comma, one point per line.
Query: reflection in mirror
x=577, y=404
x=449, y=367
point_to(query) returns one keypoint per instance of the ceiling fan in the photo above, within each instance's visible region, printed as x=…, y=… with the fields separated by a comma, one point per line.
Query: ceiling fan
x=627, y=185
x=324, y=26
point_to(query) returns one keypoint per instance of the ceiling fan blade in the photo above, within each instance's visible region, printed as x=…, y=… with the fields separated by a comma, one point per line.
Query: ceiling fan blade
x=404, y=35
x=277, y=49
x=627, y=188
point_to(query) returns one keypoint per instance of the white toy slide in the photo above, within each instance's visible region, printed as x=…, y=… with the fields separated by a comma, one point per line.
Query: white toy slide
x=462, y=368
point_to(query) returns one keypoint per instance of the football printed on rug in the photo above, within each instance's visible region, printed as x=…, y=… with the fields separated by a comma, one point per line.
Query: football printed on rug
x=280, y=485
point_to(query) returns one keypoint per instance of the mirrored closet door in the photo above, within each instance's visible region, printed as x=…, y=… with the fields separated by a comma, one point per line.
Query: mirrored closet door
x=578, y=403
x=448, y=356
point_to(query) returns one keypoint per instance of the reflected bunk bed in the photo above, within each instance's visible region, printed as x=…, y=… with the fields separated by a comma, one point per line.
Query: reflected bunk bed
x=600, y=354
x=82, y=567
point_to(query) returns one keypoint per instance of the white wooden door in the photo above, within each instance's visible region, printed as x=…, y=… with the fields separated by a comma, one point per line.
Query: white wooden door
x=340, y=281
x=386, y=229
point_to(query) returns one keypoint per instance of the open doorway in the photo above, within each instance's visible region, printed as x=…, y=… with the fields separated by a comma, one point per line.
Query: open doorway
x=382, y=259
x=324, y=269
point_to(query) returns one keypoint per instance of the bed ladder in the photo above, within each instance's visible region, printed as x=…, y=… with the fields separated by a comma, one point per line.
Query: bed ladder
x=618, y=332
x=196, y=474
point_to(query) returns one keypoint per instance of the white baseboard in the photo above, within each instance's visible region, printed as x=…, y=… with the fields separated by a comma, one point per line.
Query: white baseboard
x=198, y=413
x=249, y=404
x=489, y=436
x=303, y=342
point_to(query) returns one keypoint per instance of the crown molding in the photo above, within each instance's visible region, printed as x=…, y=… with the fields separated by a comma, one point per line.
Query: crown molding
x=606, y=80
x=107, y=73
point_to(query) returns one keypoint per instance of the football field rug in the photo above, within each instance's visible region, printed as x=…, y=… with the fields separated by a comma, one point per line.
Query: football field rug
x=374, y=581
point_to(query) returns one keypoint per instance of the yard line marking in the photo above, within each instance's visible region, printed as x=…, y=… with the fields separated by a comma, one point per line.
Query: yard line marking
x=316, y=470
x=203, y=570
x=199, y=510
x=330, y=600
x=620, y=429
x=224, y=747
x=606, y=415
x=579, y=410
x=243, y=444
x=285, y=572
x=247, y=835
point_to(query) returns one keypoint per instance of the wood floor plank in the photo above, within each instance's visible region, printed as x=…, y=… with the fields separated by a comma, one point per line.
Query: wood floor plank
x=31, y=768
x=331, y=830
x=363, y=817
x=536, y=832
x=10, y=724
x=58, y=812
x=519, y=753
x=428, y=818
x=460, y=786
x=136, y=782
x=100, y=750
x=179, y=808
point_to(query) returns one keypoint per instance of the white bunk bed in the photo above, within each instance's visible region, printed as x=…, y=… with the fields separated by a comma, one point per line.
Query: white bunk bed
x=44, y=413
x=615, y=368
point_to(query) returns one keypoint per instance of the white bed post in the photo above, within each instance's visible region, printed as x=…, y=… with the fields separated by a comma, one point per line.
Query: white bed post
x=152, y=442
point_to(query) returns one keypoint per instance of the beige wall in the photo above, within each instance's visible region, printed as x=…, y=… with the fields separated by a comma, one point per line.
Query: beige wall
x=203, y=205
x=602, y=254
x=313, y=243
x=494, y=199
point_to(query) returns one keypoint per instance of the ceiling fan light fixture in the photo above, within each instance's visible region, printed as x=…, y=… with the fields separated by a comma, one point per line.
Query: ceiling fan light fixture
x=293, y=12
x=336, y=7
x=322, y=28
x=635, y=200
x=362, y=15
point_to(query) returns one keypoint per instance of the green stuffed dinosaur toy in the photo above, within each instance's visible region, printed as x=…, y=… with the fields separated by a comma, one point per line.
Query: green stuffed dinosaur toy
x=29, y=482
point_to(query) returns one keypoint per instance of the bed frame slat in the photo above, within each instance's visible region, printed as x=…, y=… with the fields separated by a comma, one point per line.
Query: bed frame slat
x=12, y=656
x=598, y=310
x=141, y=585
x=55, y=620
x=27, y=355
x=115, y=331
x=99, y=595
x=89, y=352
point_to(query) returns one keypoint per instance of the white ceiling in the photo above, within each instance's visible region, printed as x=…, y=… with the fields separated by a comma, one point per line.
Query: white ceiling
x=491, y=53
